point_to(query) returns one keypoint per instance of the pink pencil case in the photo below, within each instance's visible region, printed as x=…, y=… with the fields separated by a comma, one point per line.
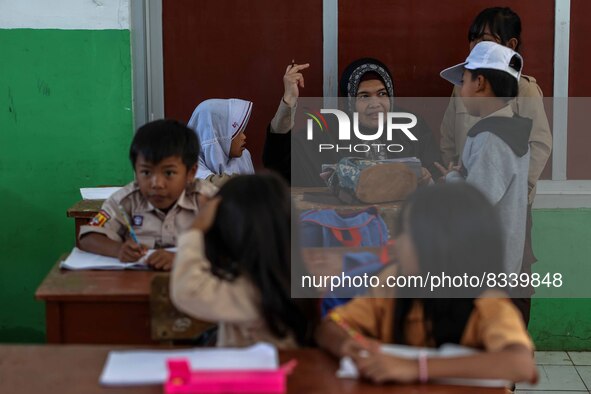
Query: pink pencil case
x=181, y=380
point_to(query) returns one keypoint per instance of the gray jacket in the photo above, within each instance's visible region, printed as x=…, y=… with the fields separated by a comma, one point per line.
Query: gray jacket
x=496, y=159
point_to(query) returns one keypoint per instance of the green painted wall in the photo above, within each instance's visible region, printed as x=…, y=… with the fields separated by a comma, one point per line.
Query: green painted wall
x=65, y=122
x=562, y=243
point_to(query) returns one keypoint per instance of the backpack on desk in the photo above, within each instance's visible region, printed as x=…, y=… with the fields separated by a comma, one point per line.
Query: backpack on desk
x=326, y=228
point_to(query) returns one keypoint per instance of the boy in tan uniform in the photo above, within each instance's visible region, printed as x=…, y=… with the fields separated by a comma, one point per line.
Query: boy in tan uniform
x=161, y=203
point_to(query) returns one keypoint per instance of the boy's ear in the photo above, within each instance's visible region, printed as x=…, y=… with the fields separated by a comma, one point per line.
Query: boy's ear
x=192, y=172
x=480, y=84
x=512, y=43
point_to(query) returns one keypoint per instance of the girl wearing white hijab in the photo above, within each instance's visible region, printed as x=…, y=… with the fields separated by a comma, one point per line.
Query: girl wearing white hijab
x=220, y=126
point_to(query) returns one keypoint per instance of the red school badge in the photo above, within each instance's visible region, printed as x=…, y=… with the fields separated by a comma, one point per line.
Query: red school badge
x=100, y=219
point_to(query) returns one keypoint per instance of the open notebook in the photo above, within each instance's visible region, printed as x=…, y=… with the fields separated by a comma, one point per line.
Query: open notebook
x=80, y=260
x=349, y=370
x=144, y=367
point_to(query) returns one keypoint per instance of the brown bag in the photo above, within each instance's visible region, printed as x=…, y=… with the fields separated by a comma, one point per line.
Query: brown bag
x=374, y=181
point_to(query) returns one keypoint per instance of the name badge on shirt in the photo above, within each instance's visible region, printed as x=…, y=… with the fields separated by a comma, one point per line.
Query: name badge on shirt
x=138, y=220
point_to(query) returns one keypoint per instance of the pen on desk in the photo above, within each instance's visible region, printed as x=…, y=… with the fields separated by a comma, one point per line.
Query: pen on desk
x=128, y=224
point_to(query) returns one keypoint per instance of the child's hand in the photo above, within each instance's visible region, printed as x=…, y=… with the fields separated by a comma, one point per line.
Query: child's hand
x=352, y=347
x=425, y=177
x=451, y=167
x=379, y=368
x=130, y=251
x=161, y=260
x=206, y=214
x=291, y=80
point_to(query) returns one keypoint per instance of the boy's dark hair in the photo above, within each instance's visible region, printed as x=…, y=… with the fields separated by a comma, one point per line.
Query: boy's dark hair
x=164, y=138
x=502, y=22
x=503, y=85
x=251, y=237
x=456, y=230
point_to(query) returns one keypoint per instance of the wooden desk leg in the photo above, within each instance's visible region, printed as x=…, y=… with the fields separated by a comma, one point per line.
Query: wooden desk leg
x=53, y=322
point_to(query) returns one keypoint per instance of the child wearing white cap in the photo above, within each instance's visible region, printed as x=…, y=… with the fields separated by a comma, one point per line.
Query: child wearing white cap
x=495, y=158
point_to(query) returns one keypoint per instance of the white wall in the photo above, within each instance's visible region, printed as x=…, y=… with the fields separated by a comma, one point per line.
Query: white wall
x=65, y=14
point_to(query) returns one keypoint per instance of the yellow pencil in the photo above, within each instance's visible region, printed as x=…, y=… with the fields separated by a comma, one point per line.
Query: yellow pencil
x=356, y=335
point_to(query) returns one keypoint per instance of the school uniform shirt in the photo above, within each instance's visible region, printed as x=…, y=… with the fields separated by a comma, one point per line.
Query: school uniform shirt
x=528, y=104
x=494, y=323
x=496, y=159
x=153, y=228
x=235, y=305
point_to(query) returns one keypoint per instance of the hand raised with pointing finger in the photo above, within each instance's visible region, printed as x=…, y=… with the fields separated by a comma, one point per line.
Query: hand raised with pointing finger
x=292, y=81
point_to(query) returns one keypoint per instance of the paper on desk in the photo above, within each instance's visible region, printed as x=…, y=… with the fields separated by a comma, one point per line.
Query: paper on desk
x=348, y=369
x=81, y=260
x=97, y=193
x=143, y=367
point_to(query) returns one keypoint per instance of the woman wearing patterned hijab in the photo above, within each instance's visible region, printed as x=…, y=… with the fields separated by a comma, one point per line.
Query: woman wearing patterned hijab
x=367, y=83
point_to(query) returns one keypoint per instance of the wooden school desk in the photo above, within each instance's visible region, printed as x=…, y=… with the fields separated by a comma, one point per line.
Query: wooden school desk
x=76, y=369
x=108, y=307
x=113, y=307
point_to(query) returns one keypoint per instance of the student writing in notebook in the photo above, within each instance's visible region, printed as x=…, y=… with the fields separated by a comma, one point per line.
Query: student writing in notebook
x=220, y=126
x=442, y=228
x=162, y=202
x=234, y=266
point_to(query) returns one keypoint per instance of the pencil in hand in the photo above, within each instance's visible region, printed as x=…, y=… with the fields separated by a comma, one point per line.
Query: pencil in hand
x=356, y=335
x=128, y=224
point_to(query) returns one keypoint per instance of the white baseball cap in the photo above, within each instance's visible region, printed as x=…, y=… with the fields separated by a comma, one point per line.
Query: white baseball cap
x=486, y=54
